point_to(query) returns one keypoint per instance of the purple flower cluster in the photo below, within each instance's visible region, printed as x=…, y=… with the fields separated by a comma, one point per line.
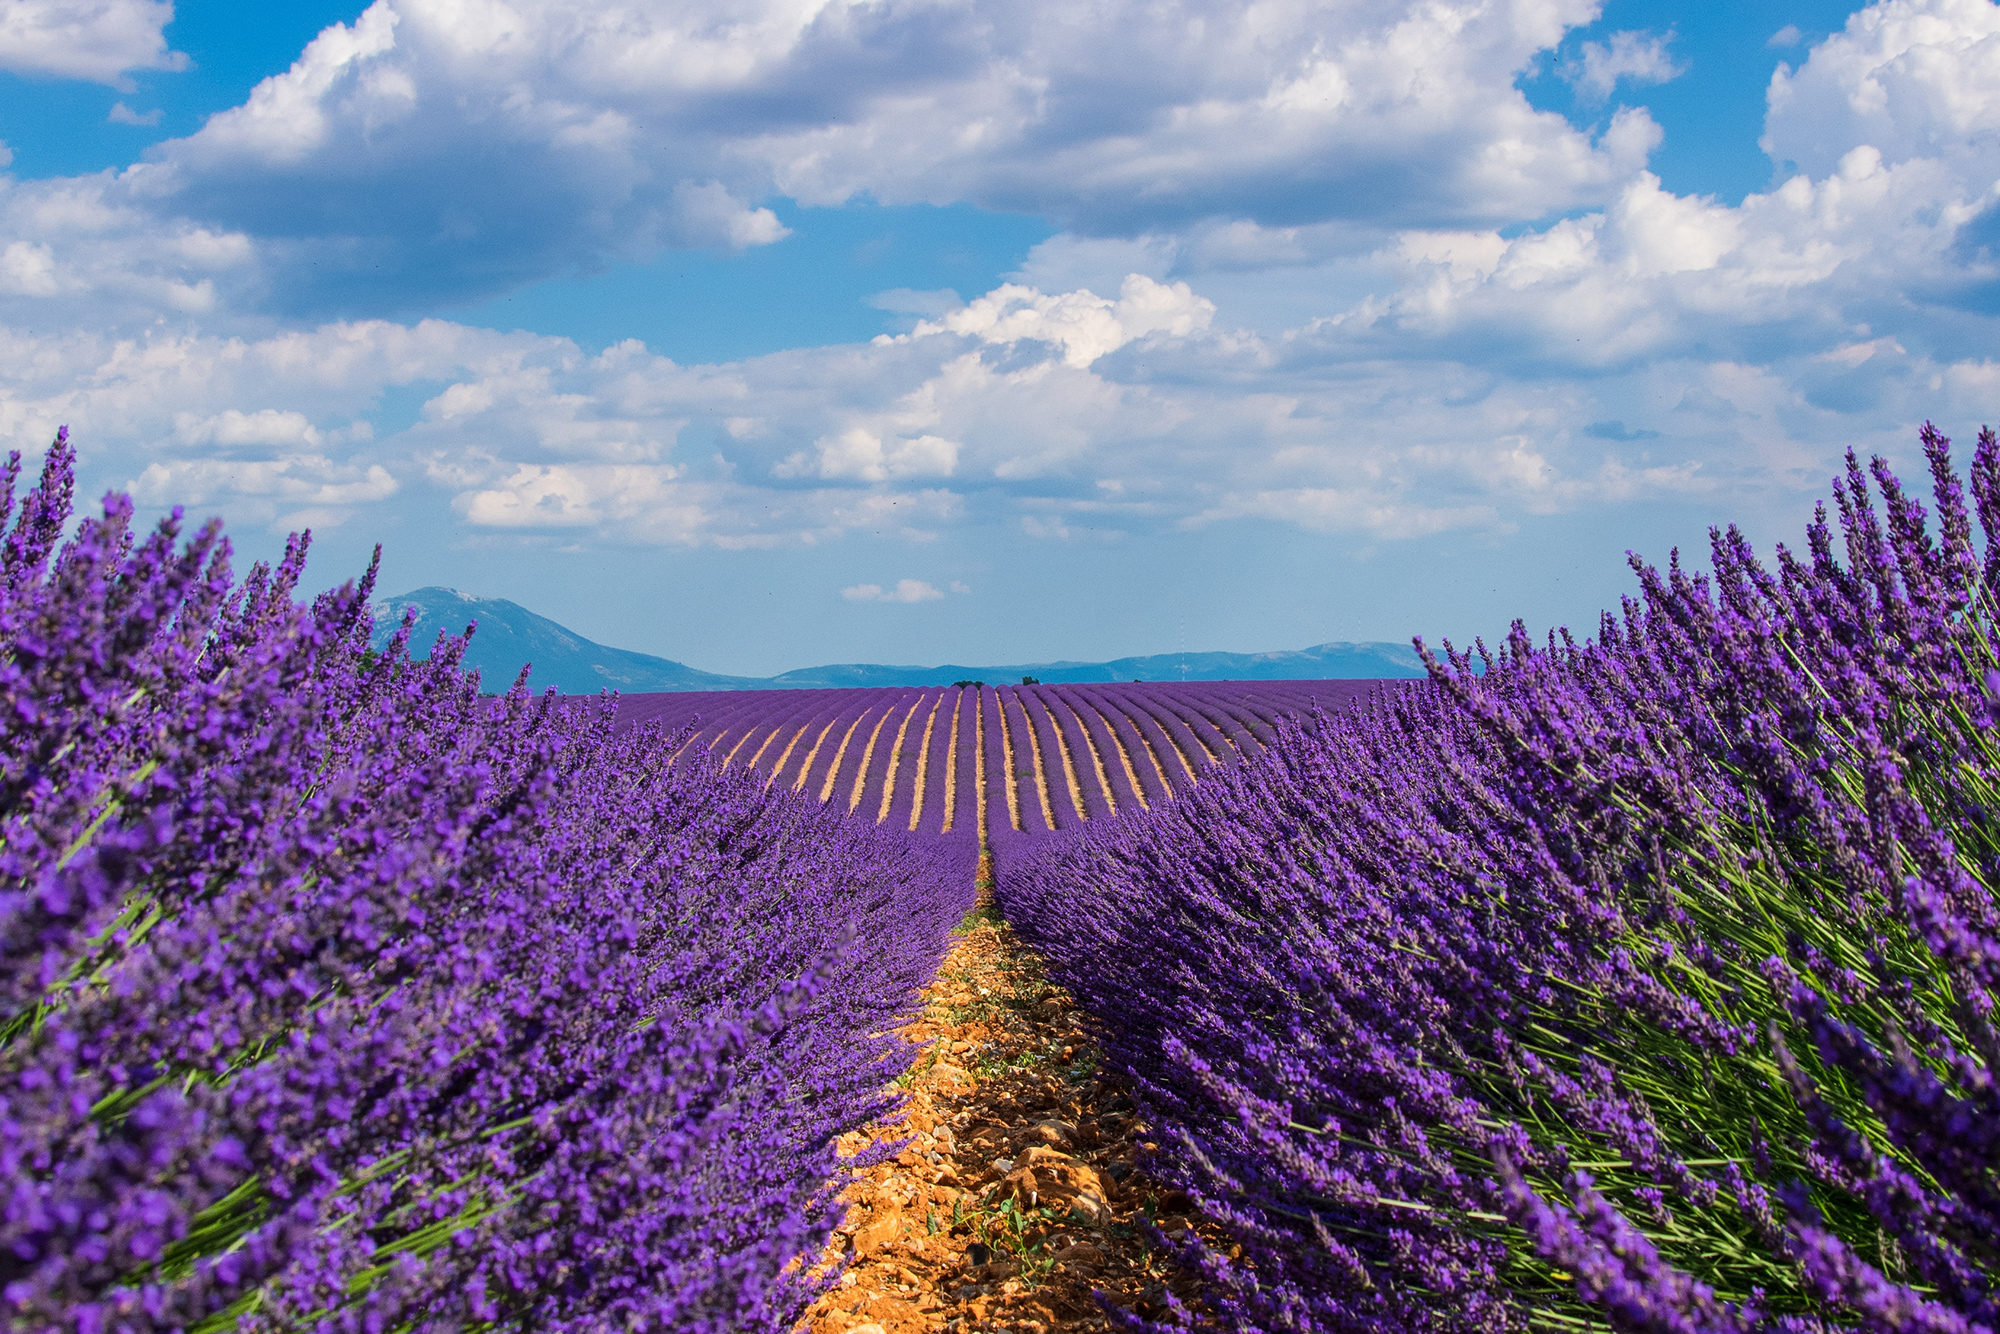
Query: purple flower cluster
x=1647, y=980
x=336, y=996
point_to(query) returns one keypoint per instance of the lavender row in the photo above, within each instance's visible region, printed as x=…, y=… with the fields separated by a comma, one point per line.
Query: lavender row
x=1645, y=981
x=1050, y=759
x=338, y=997
x=997, y=787
x=1111, y=761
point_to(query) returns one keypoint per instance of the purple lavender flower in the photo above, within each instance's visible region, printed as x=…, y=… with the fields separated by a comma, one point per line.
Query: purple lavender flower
x=1696, y=916
x=334, y=994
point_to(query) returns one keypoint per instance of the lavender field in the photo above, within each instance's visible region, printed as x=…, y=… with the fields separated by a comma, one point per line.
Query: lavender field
x=1643, y=981
x=1002, y=766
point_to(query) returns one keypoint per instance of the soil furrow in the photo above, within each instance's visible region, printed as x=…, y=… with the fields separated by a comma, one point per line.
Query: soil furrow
x=840, y=754
x=866, y=766
x=1011, y=763
x=805, y=765
x=918, y=779
x=1014, y=1203
x=1059, y=742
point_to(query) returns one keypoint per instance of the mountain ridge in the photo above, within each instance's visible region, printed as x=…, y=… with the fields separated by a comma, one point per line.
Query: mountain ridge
x=510, y=635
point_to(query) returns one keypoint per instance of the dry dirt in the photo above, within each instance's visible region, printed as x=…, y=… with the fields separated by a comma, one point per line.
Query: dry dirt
x=1015, y=1205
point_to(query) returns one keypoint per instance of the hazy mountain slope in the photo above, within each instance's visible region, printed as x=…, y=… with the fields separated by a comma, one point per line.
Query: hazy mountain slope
x=1324, y=662
x=509, y=635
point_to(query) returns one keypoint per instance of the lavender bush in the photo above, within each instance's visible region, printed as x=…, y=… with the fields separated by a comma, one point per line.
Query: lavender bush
x=335, y=996
x=1644, y=982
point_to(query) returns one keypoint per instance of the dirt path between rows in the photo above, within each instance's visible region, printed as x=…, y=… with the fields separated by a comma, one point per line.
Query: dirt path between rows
x=1016, y=1198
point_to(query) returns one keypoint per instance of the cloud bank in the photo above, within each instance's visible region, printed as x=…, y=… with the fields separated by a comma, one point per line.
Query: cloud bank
x=433, y=152
x=1323, y=268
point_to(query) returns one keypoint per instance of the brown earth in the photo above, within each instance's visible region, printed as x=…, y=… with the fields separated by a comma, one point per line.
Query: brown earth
x=1015, y=1205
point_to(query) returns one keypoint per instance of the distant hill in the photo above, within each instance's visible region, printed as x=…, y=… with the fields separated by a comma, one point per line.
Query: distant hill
x=510, y=635
x=1322, y=662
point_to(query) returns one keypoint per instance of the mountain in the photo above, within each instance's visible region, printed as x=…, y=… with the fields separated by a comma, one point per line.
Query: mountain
x=1322, y=662
x=510, y=635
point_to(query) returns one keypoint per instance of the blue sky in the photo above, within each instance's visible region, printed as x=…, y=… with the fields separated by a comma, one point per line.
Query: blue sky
x=777, y=332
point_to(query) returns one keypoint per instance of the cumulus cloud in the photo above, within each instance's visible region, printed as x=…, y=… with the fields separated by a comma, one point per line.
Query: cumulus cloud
x=1446, y=373
x=527, y=435
x=1912, y=79
x=708, y=215
x=1632, y=57
x=120, y=114
x=98, y=41
x=299, y=491
x=861, y=454
x=411, y=157
x=108, y=260
x=595, y=497
x=414, y=157
x=1082, y=324
x=906, y=590
x=266, y=426
x=28, y=269
x=1282, y=114
x=1657, y=274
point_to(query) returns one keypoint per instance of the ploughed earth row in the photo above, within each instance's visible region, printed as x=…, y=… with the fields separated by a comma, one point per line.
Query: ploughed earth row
x=1016, y=1202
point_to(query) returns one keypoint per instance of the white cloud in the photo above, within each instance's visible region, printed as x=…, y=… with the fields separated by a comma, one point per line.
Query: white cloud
x=120, y=114
x=707, y=214
x=1206, y=109
x=1634, y=57
x=590, y=497
x=299, y=491
x=266, y=426
x=1365, y=424
x=906, y=590
x=1910, y=78
x=1416, y=379
x=28, y=269
x=1787, y=36
x=535, y=138
x=99, y=41
x=1659, y=275
x=332, y=85
x=861, y=454
x=111, y=259
x=527, y=435
x=1082, y=324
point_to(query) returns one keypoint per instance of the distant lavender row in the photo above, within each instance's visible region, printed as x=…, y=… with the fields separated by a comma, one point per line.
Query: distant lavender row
x=334, y=996
x=1048, y=758
x=1648, y=982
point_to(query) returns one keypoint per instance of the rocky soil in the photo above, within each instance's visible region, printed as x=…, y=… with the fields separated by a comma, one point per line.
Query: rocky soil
x=1016, y=1204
